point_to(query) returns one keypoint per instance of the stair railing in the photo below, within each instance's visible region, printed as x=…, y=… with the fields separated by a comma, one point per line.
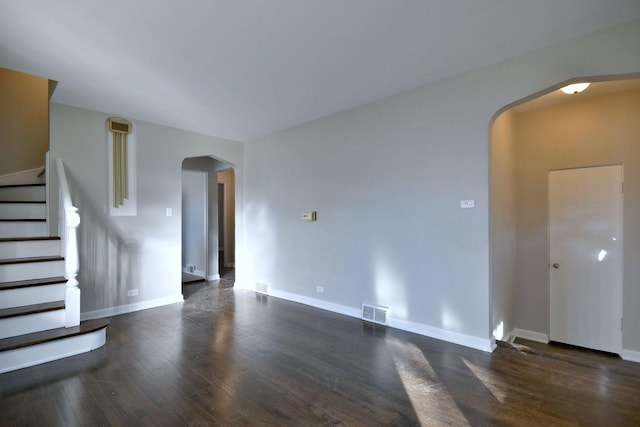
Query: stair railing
x=69, y=222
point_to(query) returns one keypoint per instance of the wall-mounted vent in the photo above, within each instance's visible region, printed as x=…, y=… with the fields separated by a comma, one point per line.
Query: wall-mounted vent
x=375, y=314
x=262, y=288
x=119, y=125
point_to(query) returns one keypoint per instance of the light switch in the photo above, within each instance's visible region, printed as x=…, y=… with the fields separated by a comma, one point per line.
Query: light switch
x=169, y=212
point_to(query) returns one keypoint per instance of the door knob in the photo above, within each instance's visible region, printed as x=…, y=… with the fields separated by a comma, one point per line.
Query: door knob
x=556, y=265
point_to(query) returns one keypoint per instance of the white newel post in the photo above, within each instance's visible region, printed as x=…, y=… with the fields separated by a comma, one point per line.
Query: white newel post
x=69, y=222
x=72, y=265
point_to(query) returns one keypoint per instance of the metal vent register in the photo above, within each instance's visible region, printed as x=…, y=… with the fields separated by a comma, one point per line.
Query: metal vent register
x=375, y=314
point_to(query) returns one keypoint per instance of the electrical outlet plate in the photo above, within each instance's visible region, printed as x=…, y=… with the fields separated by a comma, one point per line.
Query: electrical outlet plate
x=132, y=292
x=320, y=289
x=467, y=204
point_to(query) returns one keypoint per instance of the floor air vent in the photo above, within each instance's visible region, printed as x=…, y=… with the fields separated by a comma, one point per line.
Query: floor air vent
x=262, y=288
x=375, y=314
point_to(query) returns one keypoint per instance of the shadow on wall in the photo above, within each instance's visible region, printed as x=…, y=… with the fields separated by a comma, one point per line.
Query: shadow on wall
x=107, y=259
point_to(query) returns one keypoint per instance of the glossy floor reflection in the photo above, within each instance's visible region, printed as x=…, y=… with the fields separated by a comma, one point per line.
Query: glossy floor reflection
x=226, y=357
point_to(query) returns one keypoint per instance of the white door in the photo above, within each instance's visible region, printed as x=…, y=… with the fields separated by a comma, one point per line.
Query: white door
x=585, y=233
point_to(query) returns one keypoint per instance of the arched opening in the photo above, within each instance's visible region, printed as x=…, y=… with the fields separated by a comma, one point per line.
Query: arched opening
x=208, y=219
x=552, y=131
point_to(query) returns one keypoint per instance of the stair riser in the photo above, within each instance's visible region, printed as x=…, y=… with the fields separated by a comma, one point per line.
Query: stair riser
x=22, y=211
x=30, y=248
x=54, y=350
x=23, y=229
x=31, y=270
x=19, y=325
x=32, y=295
x=23, y=194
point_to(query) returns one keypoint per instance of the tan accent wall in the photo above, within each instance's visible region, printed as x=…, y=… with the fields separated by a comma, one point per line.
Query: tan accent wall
x=503, y=222
x=24, y=121
x=227, y=177
x=596, y=131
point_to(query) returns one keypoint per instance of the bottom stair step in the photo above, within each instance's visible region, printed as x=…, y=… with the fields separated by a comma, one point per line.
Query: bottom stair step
x=44, y=346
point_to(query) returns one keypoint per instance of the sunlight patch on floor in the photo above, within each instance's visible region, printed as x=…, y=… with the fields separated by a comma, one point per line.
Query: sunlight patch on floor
x=431, y=401
x=497, y=388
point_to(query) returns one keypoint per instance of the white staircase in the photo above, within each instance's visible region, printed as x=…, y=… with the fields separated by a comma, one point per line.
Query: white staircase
x=39, y=296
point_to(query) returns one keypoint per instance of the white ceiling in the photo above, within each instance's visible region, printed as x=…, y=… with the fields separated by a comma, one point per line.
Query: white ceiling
x=246, y=68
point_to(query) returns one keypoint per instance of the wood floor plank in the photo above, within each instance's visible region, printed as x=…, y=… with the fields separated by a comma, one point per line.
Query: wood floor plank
x=227, y=357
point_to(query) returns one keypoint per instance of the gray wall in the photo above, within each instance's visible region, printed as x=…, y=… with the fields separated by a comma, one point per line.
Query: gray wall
x=503, y=223
x=595, y=131
x=143, y=251
x=194, y=220
x=386, y=180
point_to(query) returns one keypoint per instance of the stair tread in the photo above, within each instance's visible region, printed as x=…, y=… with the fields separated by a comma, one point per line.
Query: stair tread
x=32, y=282
x=36, y=184
x=23, y=202
x=27, y=239
x=40, y=337
x=30, y=259
x=31, y=309
x=23, y=220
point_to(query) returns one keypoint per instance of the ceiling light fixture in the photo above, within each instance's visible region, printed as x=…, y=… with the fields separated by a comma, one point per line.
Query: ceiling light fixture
x=575, y=88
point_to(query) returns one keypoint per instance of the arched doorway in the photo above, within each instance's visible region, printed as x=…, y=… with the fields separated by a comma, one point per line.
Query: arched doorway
x=527, y=140
x=208, y=218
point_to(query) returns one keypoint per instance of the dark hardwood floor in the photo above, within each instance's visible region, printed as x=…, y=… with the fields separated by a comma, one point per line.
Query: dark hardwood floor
x=227, y=357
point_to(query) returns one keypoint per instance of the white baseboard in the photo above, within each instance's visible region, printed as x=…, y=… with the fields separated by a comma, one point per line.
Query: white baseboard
x=417, y=328
x=213, y=277
x=478, y=343
x=631, y=356
x=195, y=272
x=313, y=302
x=129, y=308
x=530, y=335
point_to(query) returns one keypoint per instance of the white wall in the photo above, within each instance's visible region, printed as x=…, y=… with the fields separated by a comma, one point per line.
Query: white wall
x=387, y=179
x=503, y=223
x=194, y=217
x=141, y=252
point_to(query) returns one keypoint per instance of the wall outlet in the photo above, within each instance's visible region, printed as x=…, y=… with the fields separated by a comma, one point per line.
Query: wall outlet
x=320, y=289
x=132, y=292
x=191, y=268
